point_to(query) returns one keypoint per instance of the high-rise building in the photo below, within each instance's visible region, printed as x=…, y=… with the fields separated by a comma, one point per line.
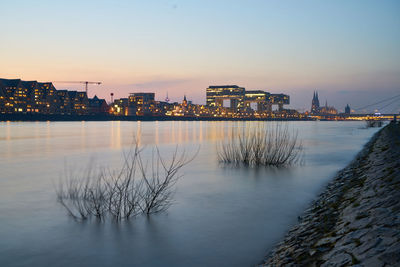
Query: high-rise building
x=217, y=94
x=241, y=99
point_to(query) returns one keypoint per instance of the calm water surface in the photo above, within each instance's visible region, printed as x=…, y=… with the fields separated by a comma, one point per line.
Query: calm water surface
x=222, y=216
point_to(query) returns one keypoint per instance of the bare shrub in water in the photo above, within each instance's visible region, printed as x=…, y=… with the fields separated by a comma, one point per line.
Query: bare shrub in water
x=274, y=146
x=157, y=191
x=123, y=194
x=82, y=197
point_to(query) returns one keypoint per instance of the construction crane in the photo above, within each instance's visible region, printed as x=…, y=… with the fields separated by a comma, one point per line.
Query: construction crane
x=84, y=82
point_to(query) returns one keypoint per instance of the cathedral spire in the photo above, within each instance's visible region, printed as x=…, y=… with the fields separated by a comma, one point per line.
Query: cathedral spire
x=315, y=103
x=184, y=102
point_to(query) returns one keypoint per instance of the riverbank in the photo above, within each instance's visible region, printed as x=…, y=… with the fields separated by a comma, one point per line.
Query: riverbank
x=356, y=220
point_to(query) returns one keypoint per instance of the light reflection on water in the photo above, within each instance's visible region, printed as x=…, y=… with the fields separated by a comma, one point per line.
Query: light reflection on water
x=222, y=216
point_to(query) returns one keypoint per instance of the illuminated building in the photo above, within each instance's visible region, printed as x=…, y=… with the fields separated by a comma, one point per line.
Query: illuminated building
x=141, y=103
x=240, y=99
x=137, y=104
x=327, y=110
x=79, y=102
x=186, y=108
x=217, y=94
x=63, y=102
x=317, y=110
x=17, y=96
x=120, y=107
x=259, y=97
x=26, y=96
x=280, y=100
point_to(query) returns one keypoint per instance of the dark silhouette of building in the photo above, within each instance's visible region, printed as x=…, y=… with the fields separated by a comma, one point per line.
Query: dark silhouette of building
x=184, y=102
x=97, y=106
x=347, y=110
x=315, y=104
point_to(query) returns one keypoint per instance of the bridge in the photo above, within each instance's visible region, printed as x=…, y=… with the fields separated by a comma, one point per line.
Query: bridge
x=383, y=105
x=379, y=107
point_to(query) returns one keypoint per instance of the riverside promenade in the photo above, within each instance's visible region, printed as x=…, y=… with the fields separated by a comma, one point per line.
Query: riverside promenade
x=356, y=219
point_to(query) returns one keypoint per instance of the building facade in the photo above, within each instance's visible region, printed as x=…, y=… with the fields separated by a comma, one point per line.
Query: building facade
x=240, y=99
x=18, y=96
x=141, y=103
x=217, y=94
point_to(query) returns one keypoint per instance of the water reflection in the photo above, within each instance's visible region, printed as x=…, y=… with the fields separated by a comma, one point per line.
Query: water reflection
x=48, y=136
x=157, y=141
x=221, y=215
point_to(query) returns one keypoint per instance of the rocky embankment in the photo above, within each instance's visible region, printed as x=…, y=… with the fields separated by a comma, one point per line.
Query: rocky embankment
x=356, y=220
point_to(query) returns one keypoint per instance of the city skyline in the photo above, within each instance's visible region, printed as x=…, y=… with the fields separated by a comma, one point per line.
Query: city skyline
x=199, y=133
x=183, y=47
x=37, y=100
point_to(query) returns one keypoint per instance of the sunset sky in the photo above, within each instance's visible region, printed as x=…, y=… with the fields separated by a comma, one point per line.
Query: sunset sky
x=347, y=50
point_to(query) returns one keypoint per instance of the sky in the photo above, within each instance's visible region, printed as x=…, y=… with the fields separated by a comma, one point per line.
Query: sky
x=347, y=50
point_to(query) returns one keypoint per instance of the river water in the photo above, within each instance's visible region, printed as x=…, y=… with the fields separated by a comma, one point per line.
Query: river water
x=221, y=216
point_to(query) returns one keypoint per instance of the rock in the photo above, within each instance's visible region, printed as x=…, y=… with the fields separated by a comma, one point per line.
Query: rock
x=326, y=241
x=356, y=220
x=339, y=259
x=392, y=255
x=373, y=261
x=392, y=258
x=360, y=223
x=367, y=245
x=312, y=252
